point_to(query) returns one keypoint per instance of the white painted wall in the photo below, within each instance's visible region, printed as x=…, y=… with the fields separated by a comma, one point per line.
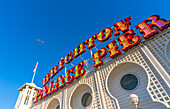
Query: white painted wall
x=123, y=95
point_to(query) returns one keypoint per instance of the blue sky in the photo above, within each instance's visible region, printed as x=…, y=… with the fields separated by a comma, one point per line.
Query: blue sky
x=62, y=25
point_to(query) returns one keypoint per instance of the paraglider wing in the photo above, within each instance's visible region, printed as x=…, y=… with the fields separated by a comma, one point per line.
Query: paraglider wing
x=40, y=40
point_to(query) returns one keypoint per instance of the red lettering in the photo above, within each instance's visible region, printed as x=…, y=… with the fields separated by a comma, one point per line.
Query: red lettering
x=44, y=91
x=97, y=57
x=68, y=58
x=60, y=82
x=56, y=86
x=148, y=30
x=54, y=71
x=37, y=96
x=50, y=87
x=79, y=50
x=46, y=79
x=91, y=41
x=69, y=78
x=61, y=64
x=113, y=49
x=127, y=40
x=79, y=70
x=121, y=25
x=104, y=35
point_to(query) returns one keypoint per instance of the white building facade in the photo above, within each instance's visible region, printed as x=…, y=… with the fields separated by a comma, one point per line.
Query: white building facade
x=148, y=64
x=26, y=95
x=141, y=73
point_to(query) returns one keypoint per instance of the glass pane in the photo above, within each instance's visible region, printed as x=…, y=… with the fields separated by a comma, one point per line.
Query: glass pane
x=86, y=99
x=58, y=107
x=129, y=82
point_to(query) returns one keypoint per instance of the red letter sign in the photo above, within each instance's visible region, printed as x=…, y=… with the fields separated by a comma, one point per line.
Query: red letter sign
x=46, y=79
x=44, y=91
x=90, y=41
x=122, y=26
x=50, y=87
x=79, y=70
x=68, y=58
x=60, y=82
x=113, y=49
x=53, y=71
x=104, y=35
x=127, y=40
x=61, y=64
x=98, y=55
x=37, y=95
x=79, y=50
x=68, y=78
x=55, y=86
x=148, y=29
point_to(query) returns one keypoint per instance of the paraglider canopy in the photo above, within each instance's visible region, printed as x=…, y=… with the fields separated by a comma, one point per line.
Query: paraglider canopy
x=40, y=40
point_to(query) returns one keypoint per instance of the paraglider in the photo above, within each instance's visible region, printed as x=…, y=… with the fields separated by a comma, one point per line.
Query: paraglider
x=40, y=40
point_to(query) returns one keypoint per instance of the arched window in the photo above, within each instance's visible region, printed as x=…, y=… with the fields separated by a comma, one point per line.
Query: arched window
x=86, y=99
x=30, y=92
x=26, y=100
x=33, y=93
x=58, y=107
x=27, y=91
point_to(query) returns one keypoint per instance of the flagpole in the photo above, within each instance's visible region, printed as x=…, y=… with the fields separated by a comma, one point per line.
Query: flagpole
x=34, y=72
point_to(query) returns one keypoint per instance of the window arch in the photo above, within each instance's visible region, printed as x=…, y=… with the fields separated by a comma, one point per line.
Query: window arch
x=81, y=97
x=26, y=100
x=58, y=107
x=54, y=104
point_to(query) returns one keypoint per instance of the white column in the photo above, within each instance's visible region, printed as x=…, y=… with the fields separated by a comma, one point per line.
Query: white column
x=99, y=88
x=42, y=104
x=64, y=99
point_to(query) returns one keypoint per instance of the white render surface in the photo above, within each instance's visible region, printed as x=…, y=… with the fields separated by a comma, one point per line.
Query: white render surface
x=27, y=92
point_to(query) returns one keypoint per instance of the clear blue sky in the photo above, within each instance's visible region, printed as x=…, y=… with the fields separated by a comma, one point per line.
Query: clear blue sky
x=63, y=25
